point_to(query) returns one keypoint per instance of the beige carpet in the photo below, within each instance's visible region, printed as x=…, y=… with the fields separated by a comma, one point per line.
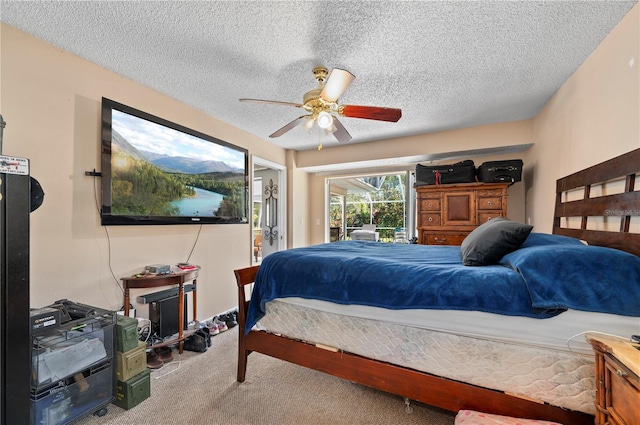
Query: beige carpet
x=201, y=388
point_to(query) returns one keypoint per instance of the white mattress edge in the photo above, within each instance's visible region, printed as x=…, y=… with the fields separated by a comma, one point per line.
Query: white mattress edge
x=563, y=332
x=561, y=378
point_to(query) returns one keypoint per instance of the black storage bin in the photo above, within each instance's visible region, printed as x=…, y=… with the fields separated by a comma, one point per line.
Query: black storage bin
x=460, y=172
x=500, y=171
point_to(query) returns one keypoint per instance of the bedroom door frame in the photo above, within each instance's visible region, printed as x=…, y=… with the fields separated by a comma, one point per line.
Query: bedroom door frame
x=280, y=183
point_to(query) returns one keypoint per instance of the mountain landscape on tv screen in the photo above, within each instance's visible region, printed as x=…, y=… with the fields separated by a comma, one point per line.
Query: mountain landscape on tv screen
x=173, y=164
x=154, y=184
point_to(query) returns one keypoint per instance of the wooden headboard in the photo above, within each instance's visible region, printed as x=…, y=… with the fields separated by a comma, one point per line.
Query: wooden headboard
x=598, y=217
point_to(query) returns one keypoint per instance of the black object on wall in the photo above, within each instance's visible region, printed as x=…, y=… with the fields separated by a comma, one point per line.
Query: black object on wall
x=15, y=337
x=37, y=195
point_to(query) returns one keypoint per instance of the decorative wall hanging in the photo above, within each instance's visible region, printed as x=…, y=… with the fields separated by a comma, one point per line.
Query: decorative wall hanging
x=270, y=231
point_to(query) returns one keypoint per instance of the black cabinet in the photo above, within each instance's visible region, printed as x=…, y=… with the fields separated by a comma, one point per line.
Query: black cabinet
x=15, y=359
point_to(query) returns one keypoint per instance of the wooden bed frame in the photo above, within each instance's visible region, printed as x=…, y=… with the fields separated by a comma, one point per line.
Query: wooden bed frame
x=441, y=392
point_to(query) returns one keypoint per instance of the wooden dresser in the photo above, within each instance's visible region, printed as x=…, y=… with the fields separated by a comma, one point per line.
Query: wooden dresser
x=617, y=383
x=448, y=213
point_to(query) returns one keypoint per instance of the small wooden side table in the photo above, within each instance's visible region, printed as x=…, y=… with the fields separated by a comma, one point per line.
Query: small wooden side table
x=174, y=278
x=617, y=383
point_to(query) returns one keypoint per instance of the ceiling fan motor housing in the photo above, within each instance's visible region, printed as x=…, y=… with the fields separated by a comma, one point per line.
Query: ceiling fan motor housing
x=320, y=73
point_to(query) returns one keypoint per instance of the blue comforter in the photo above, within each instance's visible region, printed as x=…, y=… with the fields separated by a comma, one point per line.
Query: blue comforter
x=397, y=276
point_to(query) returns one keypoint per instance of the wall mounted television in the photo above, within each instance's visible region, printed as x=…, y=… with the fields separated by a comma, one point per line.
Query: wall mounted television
x=158, y=172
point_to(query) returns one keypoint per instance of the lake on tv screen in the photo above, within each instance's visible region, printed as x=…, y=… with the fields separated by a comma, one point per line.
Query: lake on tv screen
x=205, y=203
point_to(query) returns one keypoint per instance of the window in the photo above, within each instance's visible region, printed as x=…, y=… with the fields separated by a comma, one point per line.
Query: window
x=379, y=200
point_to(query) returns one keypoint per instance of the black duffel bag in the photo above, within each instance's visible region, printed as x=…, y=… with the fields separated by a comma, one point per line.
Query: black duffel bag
x=500, y=171
x=460, y=172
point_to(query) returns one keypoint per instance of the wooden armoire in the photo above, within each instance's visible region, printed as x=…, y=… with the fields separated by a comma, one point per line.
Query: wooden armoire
x=448, y=213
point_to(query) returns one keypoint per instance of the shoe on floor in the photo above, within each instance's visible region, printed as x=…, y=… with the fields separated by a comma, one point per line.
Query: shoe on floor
x=206, y=334
x=197, y=341
x=228, y=319
x=213, y=328
x=222, y=325
x=153, y=362
x=164, y=354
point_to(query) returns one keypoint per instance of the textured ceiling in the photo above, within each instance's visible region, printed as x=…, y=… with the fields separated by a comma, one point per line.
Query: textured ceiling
x=446, y=64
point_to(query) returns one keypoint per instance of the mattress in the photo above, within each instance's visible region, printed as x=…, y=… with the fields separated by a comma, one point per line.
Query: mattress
x=563, y=332
x=544, y=371
x=540, y=280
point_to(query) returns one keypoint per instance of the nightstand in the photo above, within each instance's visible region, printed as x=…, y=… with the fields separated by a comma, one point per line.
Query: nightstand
x=617, y=383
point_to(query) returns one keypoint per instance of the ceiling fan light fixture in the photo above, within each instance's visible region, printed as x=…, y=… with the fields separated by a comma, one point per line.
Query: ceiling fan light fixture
x=338, y=81
x=308, y=125
x=327, y=132
x=325, y=120
x=330, y=130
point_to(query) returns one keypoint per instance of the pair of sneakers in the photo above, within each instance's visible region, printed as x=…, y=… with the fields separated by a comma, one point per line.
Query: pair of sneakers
x=231, y=318
x=222, y=325
x=222, y=322
x=199, y=341
x=216, y=326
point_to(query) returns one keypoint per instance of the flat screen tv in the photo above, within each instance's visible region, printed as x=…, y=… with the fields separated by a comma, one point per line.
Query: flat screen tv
x=158, y=172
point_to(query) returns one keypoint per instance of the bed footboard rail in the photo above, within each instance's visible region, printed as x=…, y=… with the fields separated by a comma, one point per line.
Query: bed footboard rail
x=409, y=383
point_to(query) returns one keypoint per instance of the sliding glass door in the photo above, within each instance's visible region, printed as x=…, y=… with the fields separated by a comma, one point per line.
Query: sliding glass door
x=380, y=200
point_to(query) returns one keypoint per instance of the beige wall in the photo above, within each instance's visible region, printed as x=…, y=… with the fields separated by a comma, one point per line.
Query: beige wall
x=298, y=200
x=51, y=103
x=594, y=116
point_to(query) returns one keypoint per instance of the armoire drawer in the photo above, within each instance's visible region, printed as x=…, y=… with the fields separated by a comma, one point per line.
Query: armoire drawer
x=429, y=219
x=489, y=203
x=485, y=216
x=430, y=204
x=446, y=238
x=491, y=192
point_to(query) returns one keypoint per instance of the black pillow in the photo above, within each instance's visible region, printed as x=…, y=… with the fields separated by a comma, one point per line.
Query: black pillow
x=489, y=242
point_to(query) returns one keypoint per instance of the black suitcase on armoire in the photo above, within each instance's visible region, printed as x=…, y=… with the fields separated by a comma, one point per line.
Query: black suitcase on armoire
x=460, y=172
x=500, y=171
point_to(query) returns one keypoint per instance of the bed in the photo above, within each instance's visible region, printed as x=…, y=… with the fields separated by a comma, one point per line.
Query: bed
x=502, y=354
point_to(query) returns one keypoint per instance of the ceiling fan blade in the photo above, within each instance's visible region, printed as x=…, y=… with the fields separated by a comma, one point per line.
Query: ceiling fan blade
x=370, y=112
x=289, y=126
x=341, y=133
x=275, y=102
x=338, y=81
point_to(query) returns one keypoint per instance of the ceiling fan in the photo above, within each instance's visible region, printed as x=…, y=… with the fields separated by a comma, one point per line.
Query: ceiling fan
x=322, y=105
